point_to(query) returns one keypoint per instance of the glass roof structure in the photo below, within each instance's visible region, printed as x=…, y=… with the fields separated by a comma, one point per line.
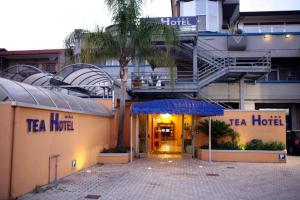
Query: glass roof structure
x=36, y=96
x=27, y=74
x=87, y=76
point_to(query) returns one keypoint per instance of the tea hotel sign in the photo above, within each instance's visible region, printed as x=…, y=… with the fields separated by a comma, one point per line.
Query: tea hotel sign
x=55, y=124
x=257, y=120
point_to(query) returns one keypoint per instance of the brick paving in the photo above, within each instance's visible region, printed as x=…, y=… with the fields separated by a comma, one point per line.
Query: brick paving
x=173, y=178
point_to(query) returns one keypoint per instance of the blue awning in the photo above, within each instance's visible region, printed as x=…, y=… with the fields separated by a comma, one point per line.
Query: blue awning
x=177, y=106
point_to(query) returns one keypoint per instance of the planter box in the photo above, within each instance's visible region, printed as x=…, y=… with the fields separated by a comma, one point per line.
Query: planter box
x=255, y=156
x=236, y=43
x=114, y=158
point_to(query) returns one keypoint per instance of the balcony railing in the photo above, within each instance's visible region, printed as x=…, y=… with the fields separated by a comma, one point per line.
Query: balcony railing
x=163, y=82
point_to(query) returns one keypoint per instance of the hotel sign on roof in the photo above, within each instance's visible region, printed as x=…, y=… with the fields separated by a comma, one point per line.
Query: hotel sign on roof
x=184, y=23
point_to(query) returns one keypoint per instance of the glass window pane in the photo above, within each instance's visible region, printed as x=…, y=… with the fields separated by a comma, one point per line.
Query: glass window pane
x=42, y=98
x=3, y=96
x=17, y=92
x=72, y=101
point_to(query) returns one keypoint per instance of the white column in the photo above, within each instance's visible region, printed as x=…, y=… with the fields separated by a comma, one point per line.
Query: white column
x=182, y=134
x=137, y=137
x=195, y=67
x=131, y=138
x=242, y=94
x=146, y=134
x=193, y=136
x=209, y=140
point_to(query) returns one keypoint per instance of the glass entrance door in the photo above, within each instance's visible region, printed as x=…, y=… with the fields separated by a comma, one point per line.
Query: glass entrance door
x=143, y=133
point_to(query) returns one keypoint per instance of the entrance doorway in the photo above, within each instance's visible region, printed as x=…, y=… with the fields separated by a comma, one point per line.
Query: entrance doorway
x=166, y=135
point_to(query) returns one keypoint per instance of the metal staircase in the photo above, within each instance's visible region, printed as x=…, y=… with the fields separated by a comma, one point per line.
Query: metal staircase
x=215, y=64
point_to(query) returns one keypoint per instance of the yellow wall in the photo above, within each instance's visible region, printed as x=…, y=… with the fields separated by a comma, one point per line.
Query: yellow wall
x=5, y=148
x=32, y=150
x=248, y=132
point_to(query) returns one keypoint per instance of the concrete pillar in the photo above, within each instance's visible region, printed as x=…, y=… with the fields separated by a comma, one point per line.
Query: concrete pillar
x=242, y=94
x=137, y=131
x=249, y=105
x=195, y=66
x=136, y=65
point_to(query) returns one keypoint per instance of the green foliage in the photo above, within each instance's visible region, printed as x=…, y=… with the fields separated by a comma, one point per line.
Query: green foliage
x=257, y=144
x=119, y=149
x=224, y=146
x=254, y=144
x=127, y=39
x=219, y=129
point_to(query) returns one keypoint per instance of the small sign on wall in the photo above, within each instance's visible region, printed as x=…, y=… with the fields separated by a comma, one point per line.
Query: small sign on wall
x=282, y=156
x=73, y=164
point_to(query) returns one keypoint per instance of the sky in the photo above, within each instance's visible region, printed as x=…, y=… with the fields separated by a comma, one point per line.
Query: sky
x=44, y=24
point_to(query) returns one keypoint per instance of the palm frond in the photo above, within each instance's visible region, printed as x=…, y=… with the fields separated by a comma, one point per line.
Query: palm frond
x=100, y=45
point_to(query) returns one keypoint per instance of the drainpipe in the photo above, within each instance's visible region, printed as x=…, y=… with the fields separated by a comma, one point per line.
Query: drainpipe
x=12, y=150
x=131, y=137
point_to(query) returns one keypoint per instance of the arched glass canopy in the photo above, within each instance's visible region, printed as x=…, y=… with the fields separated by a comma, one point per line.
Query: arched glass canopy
x=27, y=74
x=32, y=95
x=87, y=76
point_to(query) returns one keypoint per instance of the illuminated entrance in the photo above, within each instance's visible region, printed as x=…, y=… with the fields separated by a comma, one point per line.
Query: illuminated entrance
x=167, y=126
x=169, y=134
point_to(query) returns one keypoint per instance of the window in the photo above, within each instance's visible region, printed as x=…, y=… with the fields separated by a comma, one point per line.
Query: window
x=273, y=75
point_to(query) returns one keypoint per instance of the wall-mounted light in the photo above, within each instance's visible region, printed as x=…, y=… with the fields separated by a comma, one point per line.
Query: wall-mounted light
x=267, y=36
x=167, y=115
x=288, y=35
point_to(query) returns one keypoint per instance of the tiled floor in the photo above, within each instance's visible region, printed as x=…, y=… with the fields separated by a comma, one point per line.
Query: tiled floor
x=169, y=146
x=171, y=178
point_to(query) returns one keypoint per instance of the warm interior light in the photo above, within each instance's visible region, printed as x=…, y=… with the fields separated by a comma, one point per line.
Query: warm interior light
x=287, y=35
x=165, y=115
x=267, y=36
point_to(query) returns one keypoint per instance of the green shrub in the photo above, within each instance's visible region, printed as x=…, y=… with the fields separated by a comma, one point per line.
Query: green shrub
x=274, y=145
x=257, y=144
x=219, y=129
x=116, y=150
x=254, y=144
x=224, y=146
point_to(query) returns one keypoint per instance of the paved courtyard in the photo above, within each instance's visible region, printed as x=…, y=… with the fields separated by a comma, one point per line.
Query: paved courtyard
x=157, y=178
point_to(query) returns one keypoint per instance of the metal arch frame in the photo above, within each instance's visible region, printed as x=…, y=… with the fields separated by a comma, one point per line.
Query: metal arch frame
x=36, y=101
x=62, y=97
x=89, y=76
x=54, y=105
x=21, y=65
x=82, y=109
x=84, y=65
x=18, y=72
x=100, y=75
x=7, y=93
x=100, y=78
x=47, y=96
x=92, y=82
x=45, y=75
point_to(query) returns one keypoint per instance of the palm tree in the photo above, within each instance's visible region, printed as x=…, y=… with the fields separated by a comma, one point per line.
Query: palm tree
x=127, y=39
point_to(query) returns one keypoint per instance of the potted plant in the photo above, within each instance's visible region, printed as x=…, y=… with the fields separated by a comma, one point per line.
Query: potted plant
x=137, y=81
x=236, y=41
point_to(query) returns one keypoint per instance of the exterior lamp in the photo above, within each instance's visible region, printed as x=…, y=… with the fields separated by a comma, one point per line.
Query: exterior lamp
x=165, y=115
x=267, y=36
x=288, y=35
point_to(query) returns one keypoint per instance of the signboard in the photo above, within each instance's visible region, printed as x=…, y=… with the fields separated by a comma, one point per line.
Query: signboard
x=55, y=124
x=264, y=125
x=257, y=120
x=282, y=156
x=184, y=23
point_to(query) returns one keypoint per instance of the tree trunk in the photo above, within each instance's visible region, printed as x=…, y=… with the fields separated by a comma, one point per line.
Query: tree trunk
x=123, y=77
